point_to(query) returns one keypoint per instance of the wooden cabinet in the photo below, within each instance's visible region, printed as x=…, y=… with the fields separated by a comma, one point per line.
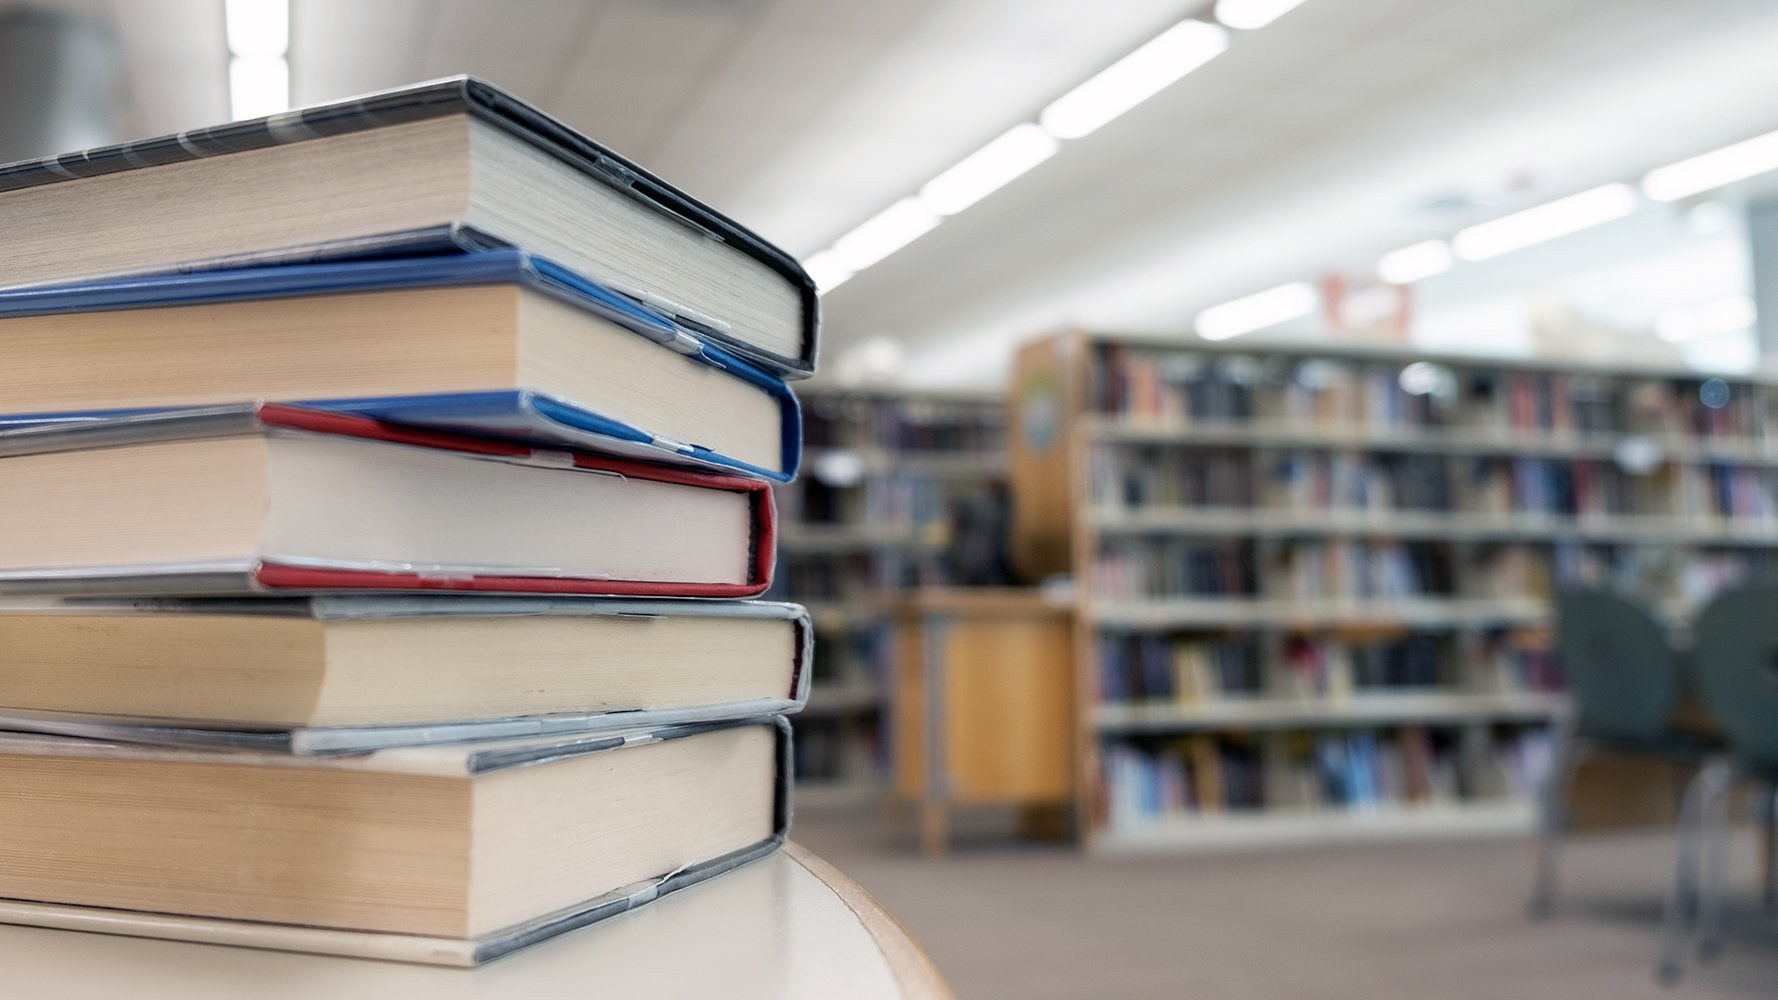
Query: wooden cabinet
x=983, y=702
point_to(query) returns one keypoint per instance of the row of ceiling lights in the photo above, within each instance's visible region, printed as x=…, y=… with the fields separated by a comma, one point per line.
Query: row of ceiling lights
x=1521, y=229
x=1169, y=57
x=1114, y=90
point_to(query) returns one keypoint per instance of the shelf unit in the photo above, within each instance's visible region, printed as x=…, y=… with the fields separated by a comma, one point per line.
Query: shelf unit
x=869, y=515
x=1312, y=580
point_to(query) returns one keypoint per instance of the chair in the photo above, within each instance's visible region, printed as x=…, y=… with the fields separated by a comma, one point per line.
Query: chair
x=1625, y=679
x=1735, y=662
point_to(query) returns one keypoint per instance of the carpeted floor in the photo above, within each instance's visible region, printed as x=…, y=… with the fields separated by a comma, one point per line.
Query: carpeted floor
x=1426, y=921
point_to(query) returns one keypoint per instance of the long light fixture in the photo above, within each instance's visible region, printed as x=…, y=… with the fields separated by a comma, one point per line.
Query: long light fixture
x=1713, y=169
x=258, y=34
x=884, y=233
x=1116, y=89
x=1134, y=78
x=989, y=169
x=1545, y=222
x=1412, y=263
x=1247, y=15
x=1257, y=311
x=827, y=271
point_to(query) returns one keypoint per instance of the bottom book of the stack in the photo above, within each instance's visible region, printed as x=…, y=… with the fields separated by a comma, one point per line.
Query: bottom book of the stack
x=452, y=855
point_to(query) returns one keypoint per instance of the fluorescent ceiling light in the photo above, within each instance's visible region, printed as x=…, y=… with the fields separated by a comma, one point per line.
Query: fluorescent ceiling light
x=1134, y=78
x=257, y=29
x=258, y=87
x=884, y=233
x=1411, y=263
x=1545, y=222
x=988, y=169
x=1257, y=311
x=827, y=271
x=1713, y=169
x=1250, y=14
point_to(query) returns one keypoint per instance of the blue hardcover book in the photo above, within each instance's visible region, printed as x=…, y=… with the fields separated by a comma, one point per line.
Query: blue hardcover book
x=503, y=344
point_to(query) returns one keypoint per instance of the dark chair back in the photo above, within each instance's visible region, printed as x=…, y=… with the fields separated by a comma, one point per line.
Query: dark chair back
x=1735, y=662
x=1622, y=671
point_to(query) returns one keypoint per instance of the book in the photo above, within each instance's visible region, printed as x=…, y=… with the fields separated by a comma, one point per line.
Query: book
x=355, y=672
x=448, y=854
x=238, y=500
x=501, y=343
x=454, y=164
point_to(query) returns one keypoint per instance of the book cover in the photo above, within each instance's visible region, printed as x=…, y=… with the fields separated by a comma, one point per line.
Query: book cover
x=335, y=739
x=264, y=575
x=515, y=414
x=471, y=763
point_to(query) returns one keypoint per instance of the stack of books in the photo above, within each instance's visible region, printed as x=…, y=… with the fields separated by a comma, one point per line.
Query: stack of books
x=384, y=482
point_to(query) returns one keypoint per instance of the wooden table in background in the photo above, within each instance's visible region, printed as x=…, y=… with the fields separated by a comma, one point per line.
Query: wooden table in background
x=983, y=703
x=788, y=926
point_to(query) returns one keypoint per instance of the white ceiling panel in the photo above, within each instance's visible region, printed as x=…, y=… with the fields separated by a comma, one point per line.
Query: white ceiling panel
x=527, y=46
x=175, y=66
x=340, y=48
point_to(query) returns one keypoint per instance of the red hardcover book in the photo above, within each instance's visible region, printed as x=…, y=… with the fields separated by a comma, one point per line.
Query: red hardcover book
x=246, y=499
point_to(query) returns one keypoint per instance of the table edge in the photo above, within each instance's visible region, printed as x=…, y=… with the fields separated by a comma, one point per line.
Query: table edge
x=915, y=974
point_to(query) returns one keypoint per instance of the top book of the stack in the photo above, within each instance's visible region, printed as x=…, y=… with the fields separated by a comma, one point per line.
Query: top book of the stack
x=451, y=165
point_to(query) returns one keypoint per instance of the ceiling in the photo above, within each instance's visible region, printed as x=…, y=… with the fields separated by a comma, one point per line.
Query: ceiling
x=1347, y=128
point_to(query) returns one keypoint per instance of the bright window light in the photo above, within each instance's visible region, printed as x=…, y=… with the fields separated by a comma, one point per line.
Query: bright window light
x=1545, y=222
x=1249, y=14
x=258, y=29
x=1730, y=315
x=258, y=87
x=988, y=169
x=1713, y=169
x=827, y=271
x=884, y=233
x=1412, y=263
x=1257, y=311
x=1134, y=78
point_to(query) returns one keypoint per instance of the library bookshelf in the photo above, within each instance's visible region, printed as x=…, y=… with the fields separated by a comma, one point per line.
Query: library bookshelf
x=870, y=515
x=1312, y=580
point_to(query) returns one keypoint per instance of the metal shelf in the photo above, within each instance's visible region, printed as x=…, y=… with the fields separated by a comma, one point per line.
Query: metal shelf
x=1241, y=612
x=1287, y=828
x=1356, y=710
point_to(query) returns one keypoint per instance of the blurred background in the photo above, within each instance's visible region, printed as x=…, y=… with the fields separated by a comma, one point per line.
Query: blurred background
x=1275, y=463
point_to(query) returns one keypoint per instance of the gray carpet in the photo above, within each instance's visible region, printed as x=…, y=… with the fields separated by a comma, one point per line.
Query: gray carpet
x=1444, y=920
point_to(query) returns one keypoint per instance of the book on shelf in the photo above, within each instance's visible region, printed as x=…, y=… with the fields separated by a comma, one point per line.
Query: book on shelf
x=1174, y=568
x=1168, y=388
x=1313, y=672
x=1518, y=763
x=1305, y=771
x=451, y=165
x=1513, y=661
x=1169, y=477
x=1318, y=668
x=502, y=343
x=251, y=499
x=1181, y=669
x=905, y=426
x=1363, y=571
x=355, y=672
x=452, y=855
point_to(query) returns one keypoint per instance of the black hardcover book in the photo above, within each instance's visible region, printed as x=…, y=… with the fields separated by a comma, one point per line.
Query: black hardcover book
x=451, y=165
